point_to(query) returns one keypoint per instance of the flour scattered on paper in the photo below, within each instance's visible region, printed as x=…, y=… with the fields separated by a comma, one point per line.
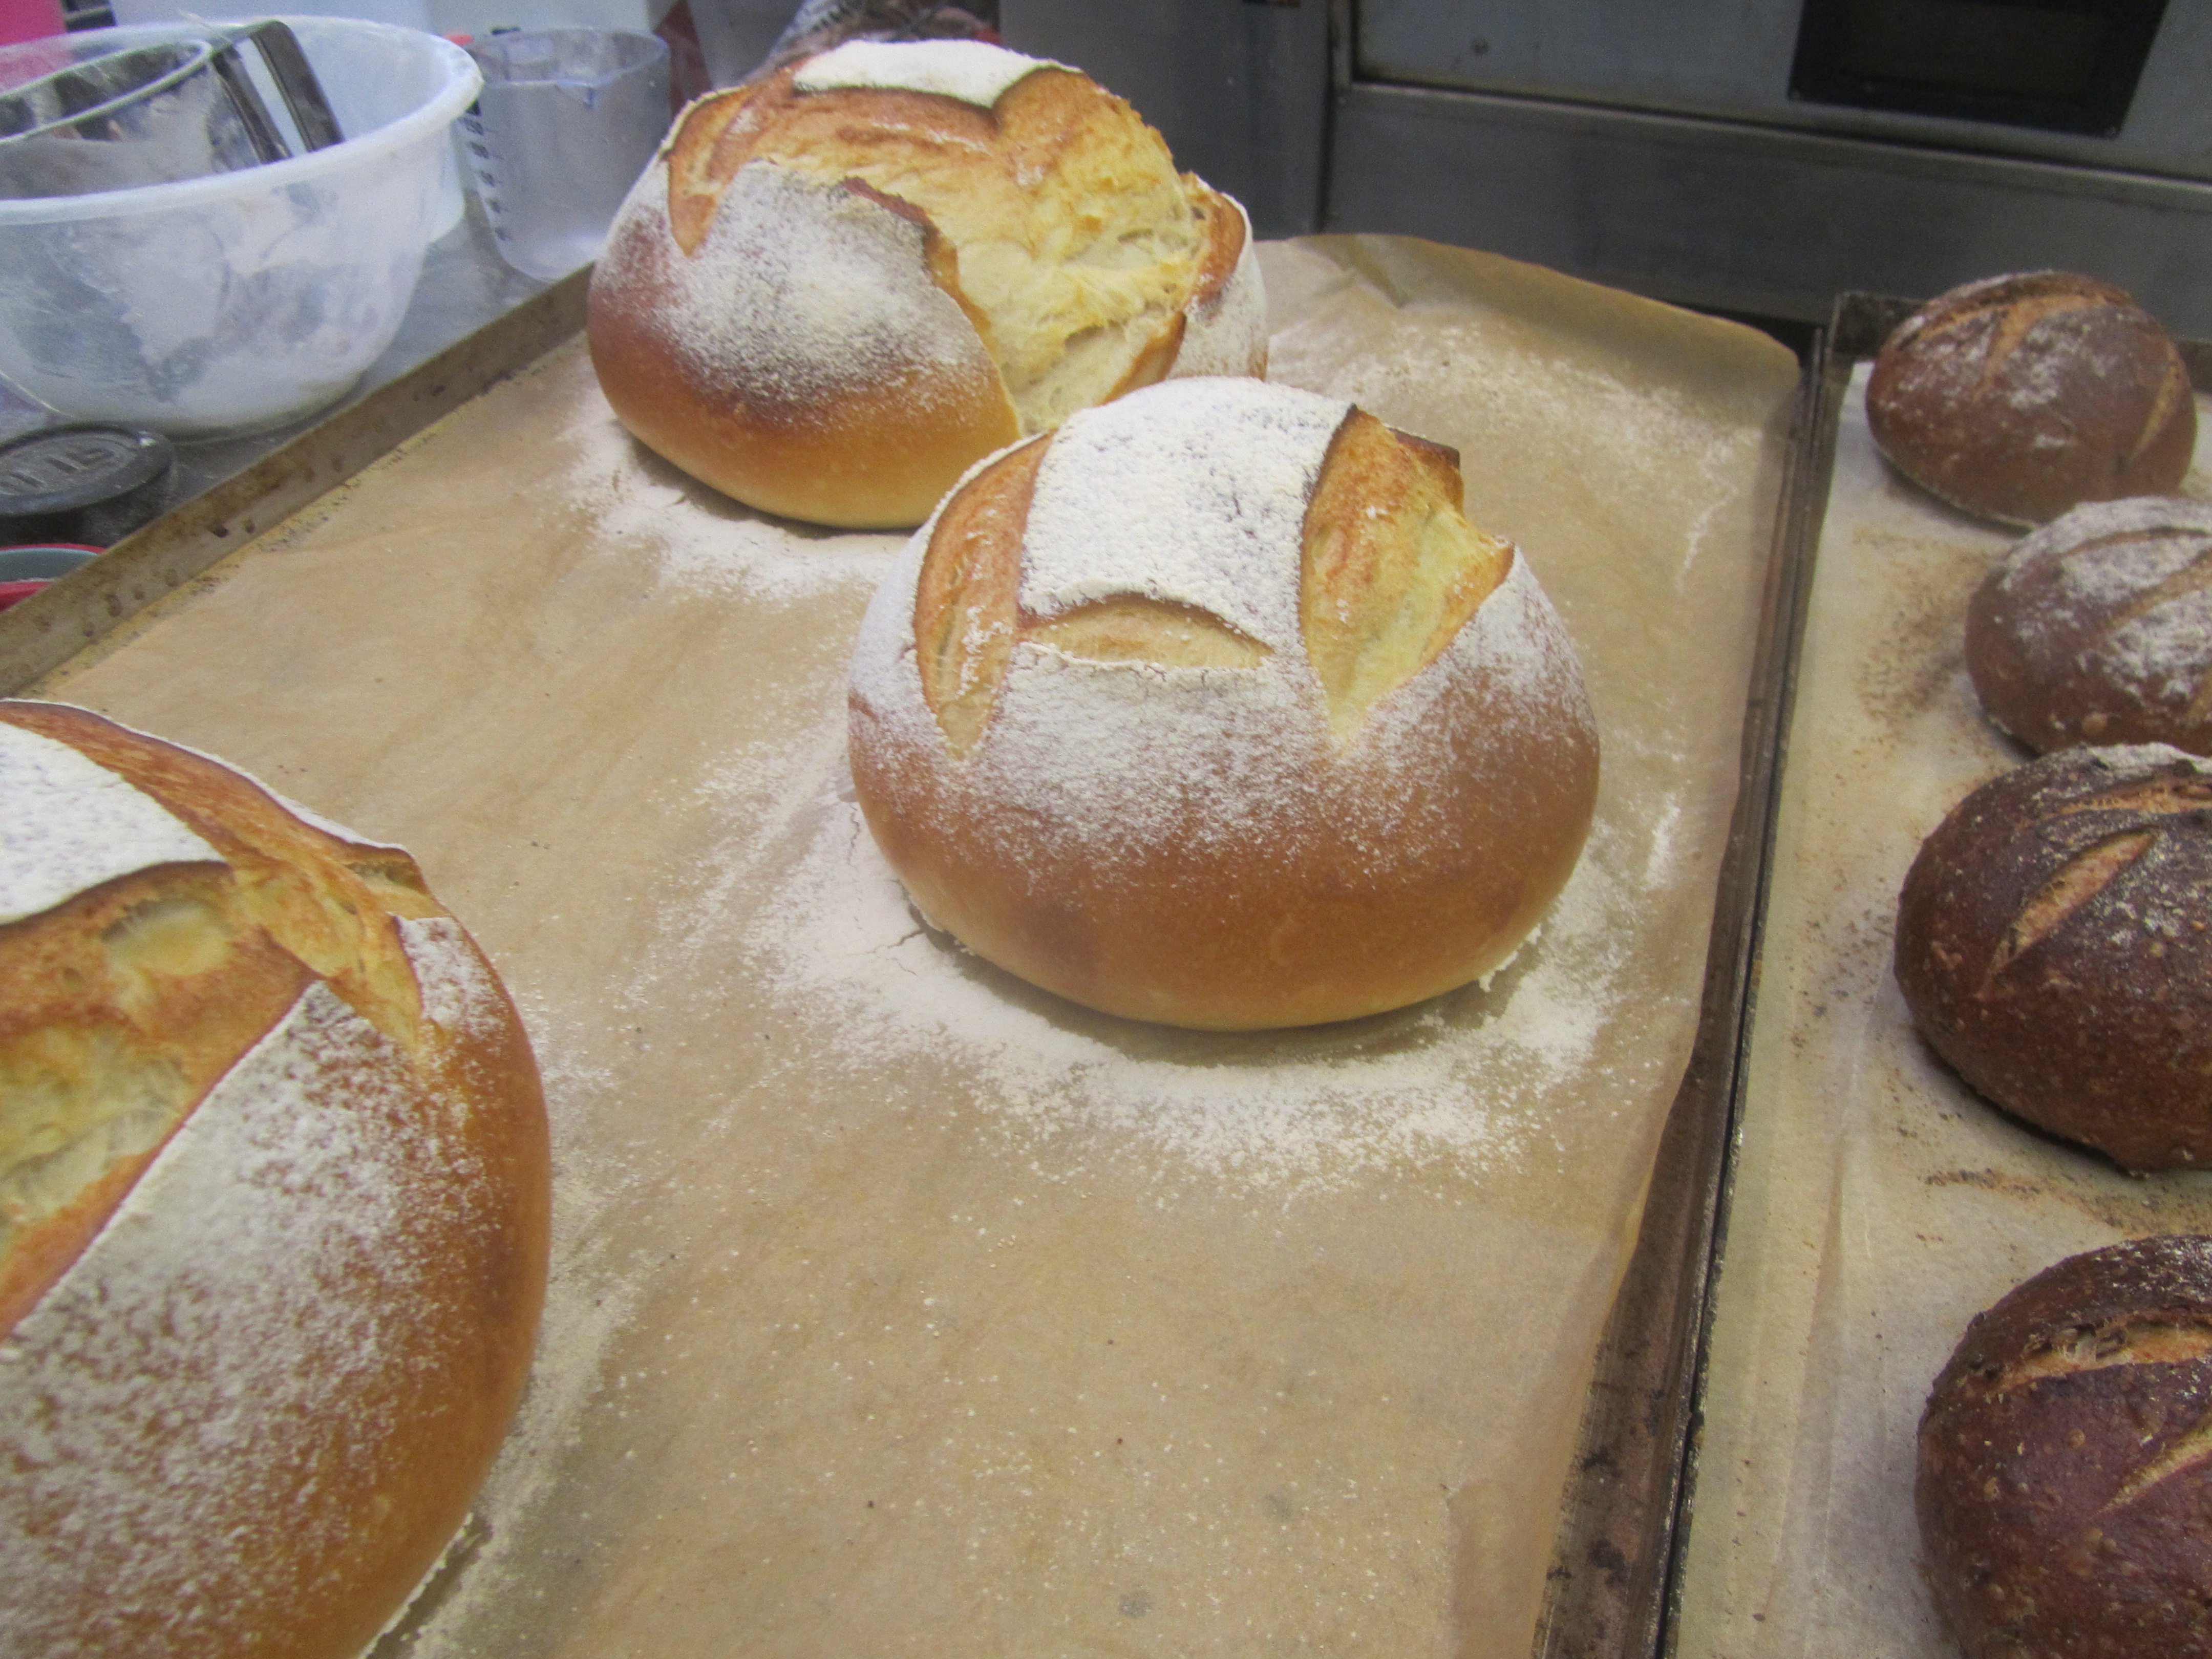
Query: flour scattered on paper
x=591, y=1296
x=701, y=541
x=1460, y=1081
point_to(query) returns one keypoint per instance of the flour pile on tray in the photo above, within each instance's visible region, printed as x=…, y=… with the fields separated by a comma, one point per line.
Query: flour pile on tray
x=698, y=540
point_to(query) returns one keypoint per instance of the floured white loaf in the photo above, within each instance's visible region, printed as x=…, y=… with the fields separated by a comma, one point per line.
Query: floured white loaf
x=836, y=289
x=273, y=1206
x=1211, y=709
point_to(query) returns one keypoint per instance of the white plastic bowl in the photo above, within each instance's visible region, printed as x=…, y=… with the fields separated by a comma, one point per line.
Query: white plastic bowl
x=242, y=300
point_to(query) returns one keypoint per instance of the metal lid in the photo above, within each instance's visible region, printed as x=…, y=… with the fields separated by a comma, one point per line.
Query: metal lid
x=62, y=469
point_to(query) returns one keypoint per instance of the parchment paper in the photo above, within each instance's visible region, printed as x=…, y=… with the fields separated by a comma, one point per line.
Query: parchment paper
x=1879, y=1204
x=898, y=1309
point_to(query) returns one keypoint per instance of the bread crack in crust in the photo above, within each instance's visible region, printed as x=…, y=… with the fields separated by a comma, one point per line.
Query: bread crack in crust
x=1075, y=257
x=2081, y=879
x=1392, y=569
x=1133, y=628
x=1043, y=256
x=2054, y=942
x=92, y=1082
x=967, y=606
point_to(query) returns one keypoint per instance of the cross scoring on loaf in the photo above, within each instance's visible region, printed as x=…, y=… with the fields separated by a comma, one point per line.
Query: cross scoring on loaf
x=2132, y=1341
x=2095, y=867
x=1389, y=572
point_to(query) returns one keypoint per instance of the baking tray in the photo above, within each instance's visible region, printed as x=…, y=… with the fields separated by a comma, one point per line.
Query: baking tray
x=1876, y=1202
x=1608, y=1591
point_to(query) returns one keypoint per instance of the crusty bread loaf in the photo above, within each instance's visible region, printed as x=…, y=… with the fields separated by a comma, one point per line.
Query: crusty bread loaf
x=1211, y=709
x=836, y=289
x=273, y=1208
x=2054, y=942
x=2065, y=1477
x=2098, y=628
x=2017, y=398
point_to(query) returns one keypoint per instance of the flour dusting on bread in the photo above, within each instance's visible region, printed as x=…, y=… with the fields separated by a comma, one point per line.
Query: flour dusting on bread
x=70, y=823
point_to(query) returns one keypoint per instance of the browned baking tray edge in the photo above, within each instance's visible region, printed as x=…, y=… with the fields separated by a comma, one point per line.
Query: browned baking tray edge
x=1615, y=1584
x=1609, y=1593
x=46, y=630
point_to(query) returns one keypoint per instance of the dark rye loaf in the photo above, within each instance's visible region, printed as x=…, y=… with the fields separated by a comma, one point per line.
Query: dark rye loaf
x=2065, y=1466
x=2017, y=398
x=2054, y=942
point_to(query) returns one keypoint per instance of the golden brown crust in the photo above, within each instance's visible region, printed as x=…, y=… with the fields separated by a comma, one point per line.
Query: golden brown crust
x=1140, y=805
x=863, y=419
x=2065, y=1466
x=825, y=461
x=1297, y=930
x=966, y=607
x=166, y=987
x=2018, y=397
x=1392, y=571
x=2054, y=942
x=1224, y=242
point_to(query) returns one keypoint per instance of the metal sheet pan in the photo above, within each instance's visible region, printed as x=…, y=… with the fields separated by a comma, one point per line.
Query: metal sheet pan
x=131, y=632
x=1875, y=1203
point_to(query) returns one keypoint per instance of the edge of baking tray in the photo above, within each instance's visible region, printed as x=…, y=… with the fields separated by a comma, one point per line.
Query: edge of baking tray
x=47, y=629
x=1609, y=1591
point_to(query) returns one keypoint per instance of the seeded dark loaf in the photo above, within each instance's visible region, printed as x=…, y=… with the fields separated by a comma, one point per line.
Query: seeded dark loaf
x=2098, y=628
x=2054, y=942
x=2017, y=398
x=2064, y=1490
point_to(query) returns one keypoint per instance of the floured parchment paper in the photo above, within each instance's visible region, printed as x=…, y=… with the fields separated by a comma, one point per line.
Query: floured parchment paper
x=1879, y=1203
x=901, y=1309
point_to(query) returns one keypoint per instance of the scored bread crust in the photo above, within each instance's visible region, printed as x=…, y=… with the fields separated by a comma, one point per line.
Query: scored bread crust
x=774, y=316
x=2065, y=1469
x=266, y=1326
x=2098, y=628
x=2017, y=398
x=1154, y=715
x=2054, y=943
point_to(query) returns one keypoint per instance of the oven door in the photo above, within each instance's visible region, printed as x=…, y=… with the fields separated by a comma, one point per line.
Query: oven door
x=1759, y=157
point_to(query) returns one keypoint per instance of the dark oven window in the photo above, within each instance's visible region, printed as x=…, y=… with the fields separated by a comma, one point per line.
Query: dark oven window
x=2064, y=65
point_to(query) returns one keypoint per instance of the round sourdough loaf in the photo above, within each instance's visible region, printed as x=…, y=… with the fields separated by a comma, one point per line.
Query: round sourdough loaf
x=2098, y=628
x=2054, y=942
x=1211, y=709
x=2065, y=1475
x=837, y=288
x=273, y=1206
x=2017, y=398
